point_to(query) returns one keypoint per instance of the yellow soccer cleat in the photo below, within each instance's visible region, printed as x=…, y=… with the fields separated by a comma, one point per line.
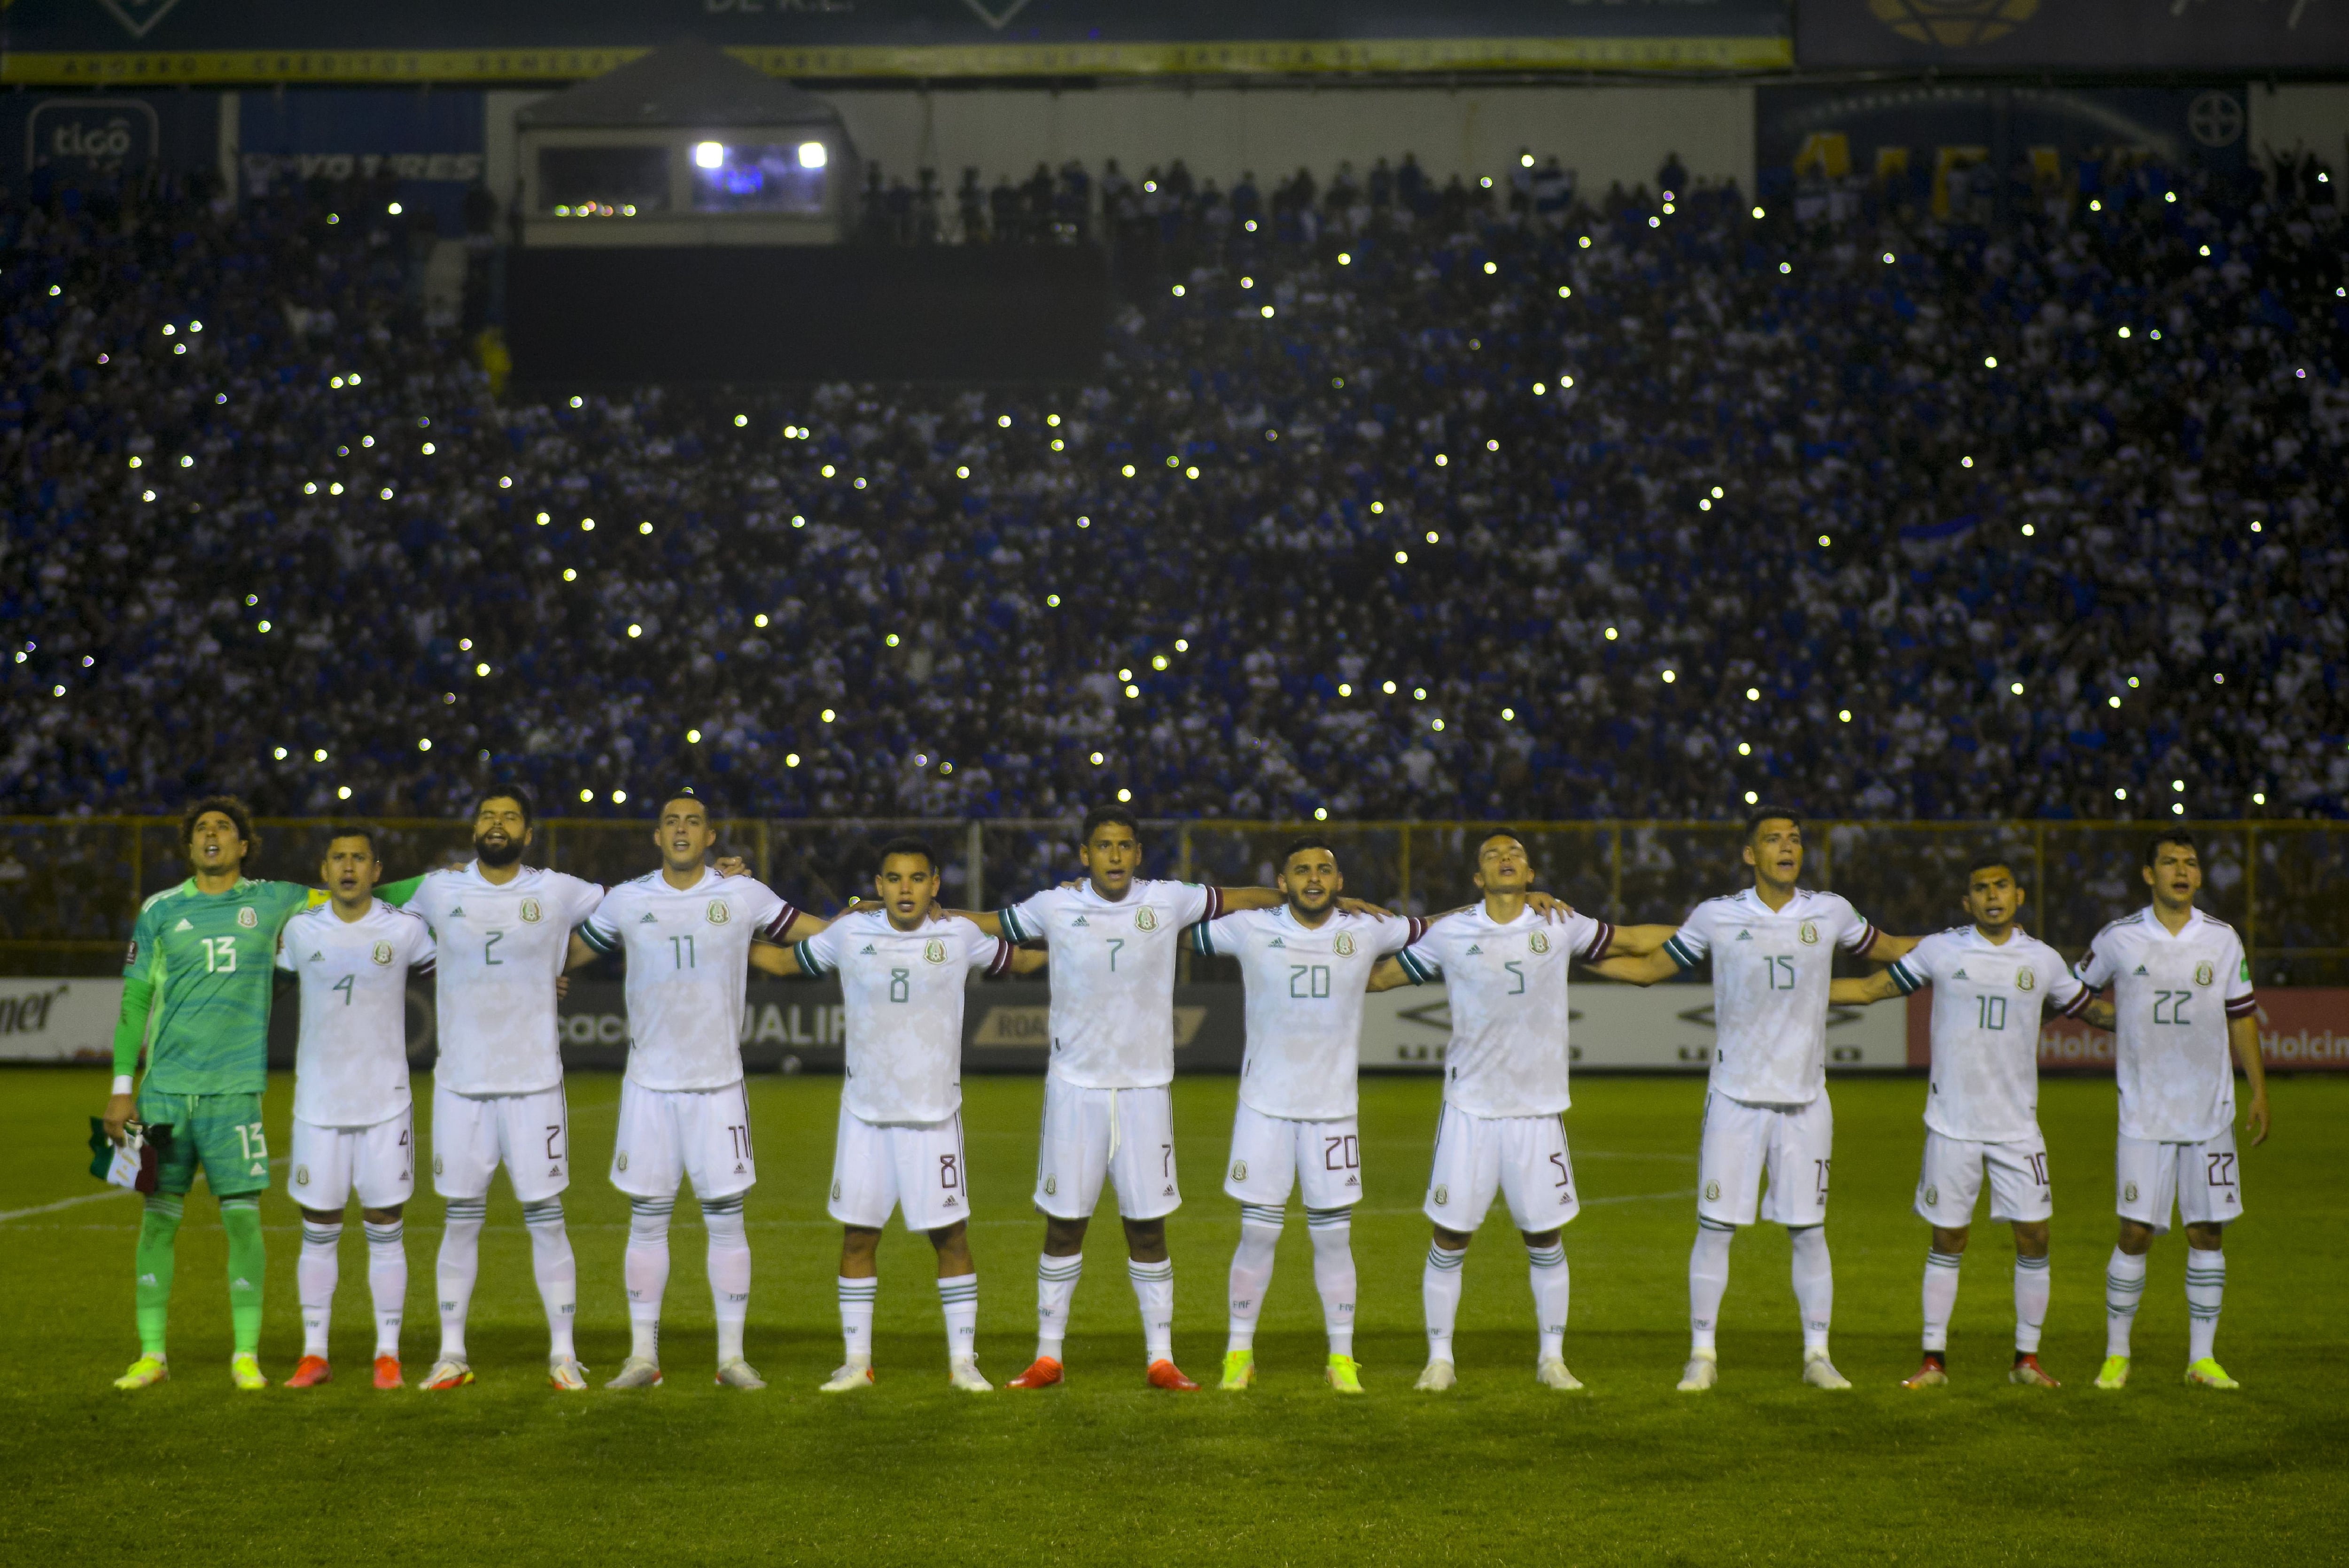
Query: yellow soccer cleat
x=565, y=1376
x=1345, y=1375
x=145, y=1373
x=1239, y=1370
x=2207, y=1374
x=245, y=1371
x=2113, y=1374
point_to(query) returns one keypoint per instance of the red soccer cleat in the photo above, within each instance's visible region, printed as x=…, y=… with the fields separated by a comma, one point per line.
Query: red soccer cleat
x=2028, y=1372
x=1045, y=1374
x=309, y=1372
x=1166, y=1375
x=386, y=1372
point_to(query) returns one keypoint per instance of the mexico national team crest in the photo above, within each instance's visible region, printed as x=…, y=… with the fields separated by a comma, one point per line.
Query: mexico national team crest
x=1051, y=1185
x=2202, y=973
x=1933, y=1197
x=934, y=951
x=530, y=910
x=382, y=953
x=247, y=918
x=436, y=1170
x=1344, y=946
x=620, y=1162
x=719, y=914
x=2025, y=979
x=2129, y=1194
x=300, y=1175
x=1539, y=941
x=1240, y=1170
x=1145, y=919
x=1713, y=1192
x=1810, y=934
x=1442, y=1195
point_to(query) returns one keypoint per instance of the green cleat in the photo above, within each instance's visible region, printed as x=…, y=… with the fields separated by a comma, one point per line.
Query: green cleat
x=2207, y=1374
x=1345, y=1374
x=245, y=1371
x=145, y=1373
x=2113, y=1374
x=1239, y=1370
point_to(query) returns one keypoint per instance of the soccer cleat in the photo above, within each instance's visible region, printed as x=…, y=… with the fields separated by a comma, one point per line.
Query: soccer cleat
x=1933, y=1374
x=963, y=1373
x=245, y=1371
x=1044, y=1372
x=2027, y=1370
x=1168, y=1375
x=447, y=1373
x=1702, y=1371
x=636, y=1372
x=1345, y=1374
x=852, y=1375
x=1436, y=1379
x=386, y=1372
x=309, y=1372
x=1552, y=1374
x=1820, y=1373
x=2207, y=1374
x=1239, y=1370
x=2113, y=1374
x=565, y=1375
x=740, y=1374
x=145, y=1373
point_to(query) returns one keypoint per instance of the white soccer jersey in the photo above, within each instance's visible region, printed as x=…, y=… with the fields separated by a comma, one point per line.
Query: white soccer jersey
x=1506, y=984
x=1112, y=1017
x=1770, y=974
x=1987, y=1000
x=1305, y=989
x=350, y=1066
x=689, y=956
x=2173, y=996
x=904, y=994
x=501, y=950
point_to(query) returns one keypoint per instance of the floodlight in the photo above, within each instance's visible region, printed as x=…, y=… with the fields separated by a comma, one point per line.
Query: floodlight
x=708, y=154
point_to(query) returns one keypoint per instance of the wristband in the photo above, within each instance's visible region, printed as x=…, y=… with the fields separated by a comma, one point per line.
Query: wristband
x=121, y=1083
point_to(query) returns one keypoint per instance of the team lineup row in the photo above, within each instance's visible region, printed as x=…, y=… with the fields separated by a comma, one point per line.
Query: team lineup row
x=497, y=937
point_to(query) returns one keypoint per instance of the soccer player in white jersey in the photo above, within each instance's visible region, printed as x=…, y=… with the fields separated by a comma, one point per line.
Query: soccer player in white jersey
x=687, y=932
x=1991, y=980
x=1107, y=1111
x=1306, y=966
x=353, y=1119
x=1504, y=965
x=899, y=1146
x=2182, y=1000
x=504, y=934
x=1773, y=949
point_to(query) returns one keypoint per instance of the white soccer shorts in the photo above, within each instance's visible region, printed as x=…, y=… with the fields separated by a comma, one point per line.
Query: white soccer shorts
x=915, y=1167
x=1521, y=1158
x=1952, y=1177
x=473, y=1134
x=330, y=1162
x=668, y=1136
x=1126, y=1135
x=1791, y=1143
x=2205, y=1179
x=1271, y=1154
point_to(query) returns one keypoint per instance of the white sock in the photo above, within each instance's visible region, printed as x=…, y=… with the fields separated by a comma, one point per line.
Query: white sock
x=2123, y=1284
x=2033, y=1285
x=958, y=1297
x=856, y=1299
x=2206, y=1283
x=1940, y=1298
x=729, y=1273
x=1814, y=1284
x=1252, y=1271
x=644, y=1268
x=557, y=1272
x=1056, y=1282
x=1153, y=1291
x=1708, y=1282
x=1547, y=1268
x=1439, y=1294
x=1332, y=1231
x=314, y=1273
x=453, y=1273
x=388, y=1281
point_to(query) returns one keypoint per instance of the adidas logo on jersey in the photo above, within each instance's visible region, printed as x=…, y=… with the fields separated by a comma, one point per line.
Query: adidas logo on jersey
x=648, y=918
x=317, y=958
x=866, y=948
x=1960, y=974
x=2140, y=968
x=1745, y=936
x=457, y=912
x=1474, y=950
x=1279, y=944
x=1078, y=921
x=183, y=925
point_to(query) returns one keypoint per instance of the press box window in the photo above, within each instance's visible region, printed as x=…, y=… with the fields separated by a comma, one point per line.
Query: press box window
x=765, y=177
x=603, y=181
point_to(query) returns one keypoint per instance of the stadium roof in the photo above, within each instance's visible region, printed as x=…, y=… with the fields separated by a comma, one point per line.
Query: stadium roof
x=689, y=84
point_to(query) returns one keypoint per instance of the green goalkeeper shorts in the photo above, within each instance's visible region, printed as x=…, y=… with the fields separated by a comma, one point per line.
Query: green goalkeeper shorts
x=220, y=1131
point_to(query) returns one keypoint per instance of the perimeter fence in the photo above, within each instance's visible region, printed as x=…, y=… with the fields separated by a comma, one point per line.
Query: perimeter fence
x=70, y=887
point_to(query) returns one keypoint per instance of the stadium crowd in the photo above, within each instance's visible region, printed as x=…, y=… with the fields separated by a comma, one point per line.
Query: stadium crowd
x=1390, y=500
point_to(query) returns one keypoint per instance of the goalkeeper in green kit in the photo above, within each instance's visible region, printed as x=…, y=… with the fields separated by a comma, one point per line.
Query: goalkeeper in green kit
x=195, y=993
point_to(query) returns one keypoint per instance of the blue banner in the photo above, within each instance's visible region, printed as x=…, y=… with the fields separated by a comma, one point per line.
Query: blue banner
x=72, y=135
x=431, y=142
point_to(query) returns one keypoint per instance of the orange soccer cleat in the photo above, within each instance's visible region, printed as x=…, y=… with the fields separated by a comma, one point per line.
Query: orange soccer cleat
x=386, y=1372
x=2027, y=1371
x=1044, y=1374
x=309, y=1372
x=1166, y=1375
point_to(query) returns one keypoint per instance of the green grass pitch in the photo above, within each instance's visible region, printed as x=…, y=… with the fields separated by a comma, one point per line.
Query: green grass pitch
x=1103, y=1470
